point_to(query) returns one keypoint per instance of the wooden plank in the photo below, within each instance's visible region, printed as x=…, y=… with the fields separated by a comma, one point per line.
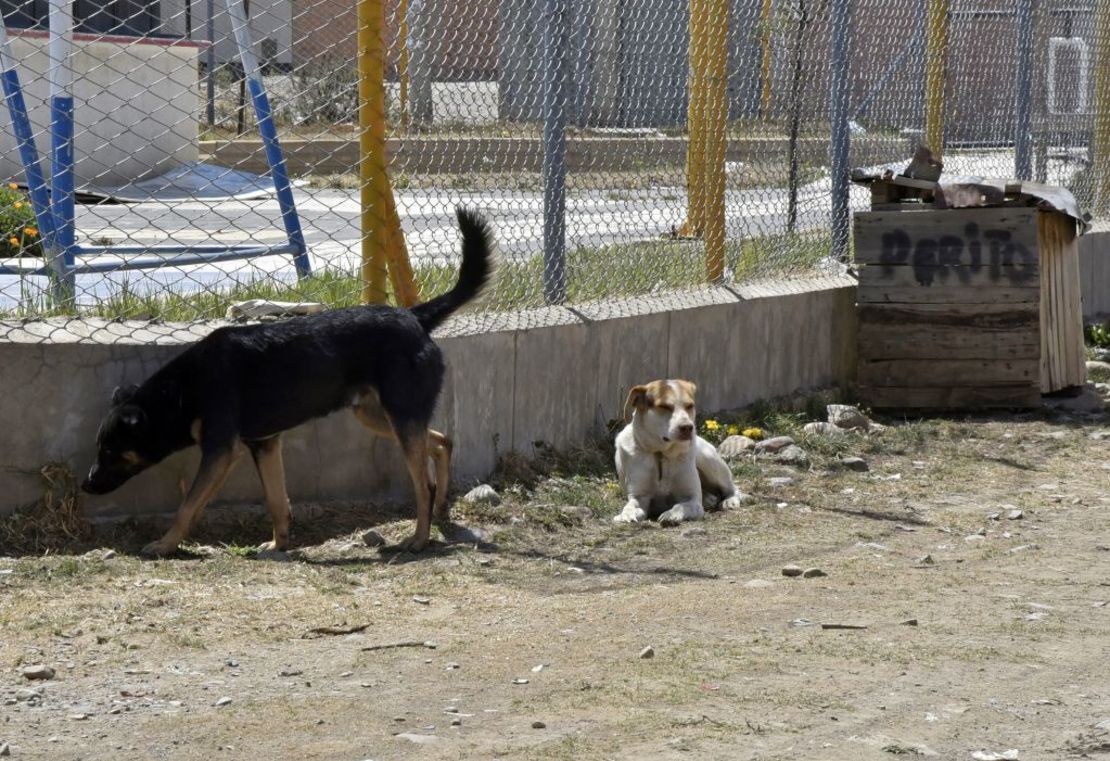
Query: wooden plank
x=879, y=284
x=951, y=397
x=949, y=372
x=1063, y=358
x=988, y=317
x=924, y=341
x=996, y=238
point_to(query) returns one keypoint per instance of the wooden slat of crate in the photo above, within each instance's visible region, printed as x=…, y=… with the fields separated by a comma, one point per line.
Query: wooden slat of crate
x=952, y=397
x=1063, y=362
x=910, y=373
x=906, y=284
x=995, y=237
x=918, y=340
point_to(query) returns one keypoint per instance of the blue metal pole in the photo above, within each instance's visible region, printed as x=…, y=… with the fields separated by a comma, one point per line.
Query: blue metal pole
x=840, y=136
x=1023, y=101
x=268, y=132
x=59, y=49
x=554, y=152
x=25, y=138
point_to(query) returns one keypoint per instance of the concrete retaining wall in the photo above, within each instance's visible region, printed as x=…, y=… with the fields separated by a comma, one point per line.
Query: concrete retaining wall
x=553, y=375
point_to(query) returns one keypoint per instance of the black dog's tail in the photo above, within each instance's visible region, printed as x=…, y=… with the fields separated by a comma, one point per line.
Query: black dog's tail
x=474, y=274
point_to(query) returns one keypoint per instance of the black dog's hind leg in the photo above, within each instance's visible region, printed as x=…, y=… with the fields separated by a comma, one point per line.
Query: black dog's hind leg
x=414, y=442
x=215, y=466
x=370, y=413
x=271, y=471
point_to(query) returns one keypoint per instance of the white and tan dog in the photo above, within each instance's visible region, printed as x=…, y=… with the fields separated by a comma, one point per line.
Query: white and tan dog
x=663, y=465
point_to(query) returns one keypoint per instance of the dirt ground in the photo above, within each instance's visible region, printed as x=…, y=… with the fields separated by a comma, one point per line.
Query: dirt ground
x=983, y=630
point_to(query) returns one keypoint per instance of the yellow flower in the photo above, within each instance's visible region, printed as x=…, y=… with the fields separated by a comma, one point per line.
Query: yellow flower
x=732, y=430
x=753, y=433
x=13, y=241
x=19, y=204
x=30, y=231
x=712, y=425
x=12, y=186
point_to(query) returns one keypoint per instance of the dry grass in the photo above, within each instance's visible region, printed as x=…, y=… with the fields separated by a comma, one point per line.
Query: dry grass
x=52, y=523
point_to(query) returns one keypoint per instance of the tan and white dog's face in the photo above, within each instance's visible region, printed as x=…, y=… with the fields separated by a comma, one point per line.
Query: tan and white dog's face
x=665, y=410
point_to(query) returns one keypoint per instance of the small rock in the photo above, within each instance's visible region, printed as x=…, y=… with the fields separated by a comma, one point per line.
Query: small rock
x=28, y=695
x=1022, y=548
x=792, y=570
x=857, y=464
x=538, y=725
x=520, y=681
x=821, y=429
x=926, y=560
x=647, y=652
x=482, y=494
x=1098, y=370
x=773, y=444
x=459, y=534
x=452, y=666
x=975, y=538
x=275, y=556
x=758, y=584
x=456, y=722
x=580, y=512
x=5, y=749
x=78, y=717
x=231, y=663
x=813, y=573
x=38, y=672
x=994, y=516
x=1015, y=515
x=735, y=446
x=693, y=531
x=418, y=739
x=373, y=539
x=222, y=702
x=847, y=417
x=421, y=600
x=792, y=455
x=779, y=481
x=108, y=555
x=910, y=622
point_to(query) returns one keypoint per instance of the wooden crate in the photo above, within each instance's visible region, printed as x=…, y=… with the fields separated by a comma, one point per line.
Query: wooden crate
x=967, y=308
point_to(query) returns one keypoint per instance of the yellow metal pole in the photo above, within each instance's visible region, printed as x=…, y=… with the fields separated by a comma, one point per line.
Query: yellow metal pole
x=403, y=63
x=715, y=123
x=768, y=57
x=1100, y=139
x=371, y=165
x=936, y=65
x=695, y=123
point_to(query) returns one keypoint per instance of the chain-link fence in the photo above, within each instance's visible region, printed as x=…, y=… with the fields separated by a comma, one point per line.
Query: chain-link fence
x=567, y=122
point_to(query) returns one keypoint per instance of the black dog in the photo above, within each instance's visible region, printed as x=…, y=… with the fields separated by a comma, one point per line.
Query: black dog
x=249, y=384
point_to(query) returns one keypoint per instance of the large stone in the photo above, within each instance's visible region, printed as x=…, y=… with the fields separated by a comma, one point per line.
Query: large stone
x=773, y=444
x=821, y=429
x=735, y=446
x=792, y=455
x=847, y=417
x=482, y=494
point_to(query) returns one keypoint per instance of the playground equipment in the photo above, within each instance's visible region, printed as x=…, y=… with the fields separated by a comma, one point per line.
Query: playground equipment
x=54, y=207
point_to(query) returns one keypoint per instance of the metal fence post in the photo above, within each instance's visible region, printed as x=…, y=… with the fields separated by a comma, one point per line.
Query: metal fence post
x=840, y=138
x=554, y=152
x=1023, y=99
x=421, y=109
x=795, y=118
x=936, y=71
x=59, y=50
x=1100, y=137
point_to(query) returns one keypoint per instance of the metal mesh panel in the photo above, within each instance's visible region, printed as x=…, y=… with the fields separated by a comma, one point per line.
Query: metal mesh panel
x=568, y=122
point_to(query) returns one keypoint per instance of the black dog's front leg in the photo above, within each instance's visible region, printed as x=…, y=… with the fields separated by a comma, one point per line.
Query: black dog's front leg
x=215, y=465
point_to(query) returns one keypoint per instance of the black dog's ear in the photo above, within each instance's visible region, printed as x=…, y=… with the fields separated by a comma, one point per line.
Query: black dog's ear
x=131, y=415
x=122, y=393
